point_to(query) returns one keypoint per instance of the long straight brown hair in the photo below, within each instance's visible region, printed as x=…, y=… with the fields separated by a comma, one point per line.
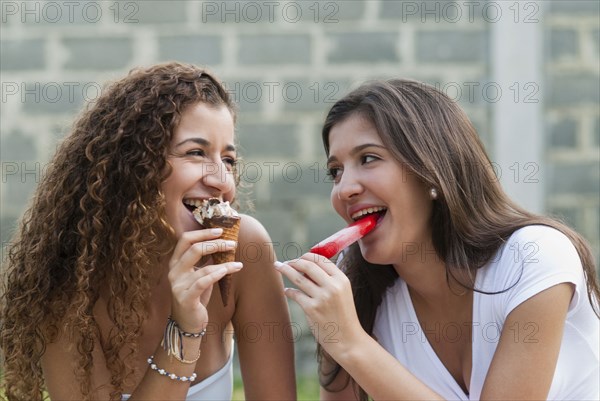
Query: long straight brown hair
x=472, y=217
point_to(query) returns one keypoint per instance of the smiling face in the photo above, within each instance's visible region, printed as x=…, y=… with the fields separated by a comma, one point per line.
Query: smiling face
x=202, y=156
x=367, y=176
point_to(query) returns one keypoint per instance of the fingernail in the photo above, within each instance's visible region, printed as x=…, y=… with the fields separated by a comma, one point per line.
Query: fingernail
x=216, y=231
x=230, y=244
x=237, y=265
x=278, y=264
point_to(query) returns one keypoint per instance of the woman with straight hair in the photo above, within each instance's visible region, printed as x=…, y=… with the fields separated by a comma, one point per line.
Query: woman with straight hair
x=457, y=293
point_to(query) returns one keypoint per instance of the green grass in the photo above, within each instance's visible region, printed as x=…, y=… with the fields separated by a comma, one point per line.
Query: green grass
x=307, y=389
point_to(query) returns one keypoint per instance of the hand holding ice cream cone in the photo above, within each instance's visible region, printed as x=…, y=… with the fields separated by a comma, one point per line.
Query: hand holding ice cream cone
x=212, y=214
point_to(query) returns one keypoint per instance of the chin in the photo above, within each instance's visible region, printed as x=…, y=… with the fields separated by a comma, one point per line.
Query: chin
x=371, y=256
x=180, y=229
x=378, y=261
x=178, y=232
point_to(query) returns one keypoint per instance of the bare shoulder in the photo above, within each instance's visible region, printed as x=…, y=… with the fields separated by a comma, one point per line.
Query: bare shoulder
x=258, y=283
x=252, y=230
x=255, y=247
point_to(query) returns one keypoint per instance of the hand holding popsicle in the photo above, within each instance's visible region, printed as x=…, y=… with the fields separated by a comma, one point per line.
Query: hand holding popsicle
x=333, y=244
x=323, y=291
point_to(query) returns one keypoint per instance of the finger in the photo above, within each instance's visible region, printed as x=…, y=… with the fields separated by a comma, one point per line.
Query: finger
x=312, y=270
x=299, y=297
x=205, y=296
x=215, y=273
x=196, y=251
x=191, y=237
x=304, y=283
x=231, y=267
x=188, y=280
x=201, y=288
x=327, y=265
x=195, y=286
x=182, y=283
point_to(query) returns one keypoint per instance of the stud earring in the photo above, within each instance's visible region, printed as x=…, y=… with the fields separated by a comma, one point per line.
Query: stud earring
x=433, y=193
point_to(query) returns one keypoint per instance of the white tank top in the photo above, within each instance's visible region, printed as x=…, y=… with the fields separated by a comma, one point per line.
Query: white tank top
x=217, y=387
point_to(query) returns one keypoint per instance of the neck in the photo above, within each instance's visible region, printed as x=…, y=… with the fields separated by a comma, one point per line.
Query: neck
x=429, y=281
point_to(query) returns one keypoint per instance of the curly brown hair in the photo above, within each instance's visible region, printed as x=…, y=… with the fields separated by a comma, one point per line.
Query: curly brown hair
x=97, y=222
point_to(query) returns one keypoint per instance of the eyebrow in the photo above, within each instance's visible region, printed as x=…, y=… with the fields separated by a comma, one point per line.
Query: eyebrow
x=357, y=149
x=204, y=142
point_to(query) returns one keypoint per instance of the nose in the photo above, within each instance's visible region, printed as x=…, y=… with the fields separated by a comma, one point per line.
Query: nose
x=348, y=186
x=217, y=177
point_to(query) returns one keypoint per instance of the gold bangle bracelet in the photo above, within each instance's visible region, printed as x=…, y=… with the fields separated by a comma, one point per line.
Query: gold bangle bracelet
x=183, y=360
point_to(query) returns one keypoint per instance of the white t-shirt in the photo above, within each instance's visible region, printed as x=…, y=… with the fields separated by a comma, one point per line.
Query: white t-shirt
x=533, y=259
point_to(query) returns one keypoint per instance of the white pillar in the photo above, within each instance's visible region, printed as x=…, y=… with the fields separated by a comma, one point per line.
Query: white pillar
x=516, y=65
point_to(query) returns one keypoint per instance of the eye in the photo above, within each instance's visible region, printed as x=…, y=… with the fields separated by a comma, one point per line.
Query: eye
x=368, y=159
x=196, y=152
x=333, y=173
x=230, y=161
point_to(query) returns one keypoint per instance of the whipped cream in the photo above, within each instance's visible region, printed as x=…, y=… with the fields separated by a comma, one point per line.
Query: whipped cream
x=213, y=207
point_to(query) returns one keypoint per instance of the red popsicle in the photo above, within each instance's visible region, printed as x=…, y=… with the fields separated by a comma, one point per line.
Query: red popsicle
x=330, y=246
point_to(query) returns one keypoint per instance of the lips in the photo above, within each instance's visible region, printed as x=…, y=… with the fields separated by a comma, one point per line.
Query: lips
x=357, y=215
x=192, y=203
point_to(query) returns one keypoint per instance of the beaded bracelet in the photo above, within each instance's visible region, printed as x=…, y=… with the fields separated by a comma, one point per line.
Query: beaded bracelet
x=171, y=376
x=193, y=335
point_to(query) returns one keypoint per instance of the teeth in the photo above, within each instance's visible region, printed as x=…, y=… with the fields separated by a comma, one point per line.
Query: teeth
x=369, y=210
x=193, y=202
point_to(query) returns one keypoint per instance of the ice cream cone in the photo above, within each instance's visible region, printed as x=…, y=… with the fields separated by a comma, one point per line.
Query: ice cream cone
x=213, y=213
x=231, y=228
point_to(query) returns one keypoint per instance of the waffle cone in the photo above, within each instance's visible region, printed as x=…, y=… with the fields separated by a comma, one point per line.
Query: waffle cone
x=231, y=229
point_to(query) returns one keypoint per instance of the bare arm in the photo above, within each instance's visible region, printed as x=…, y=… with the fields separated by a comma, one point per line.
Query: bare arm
x=524, y=362
x=191, y=289
x=519, y=370
x=262, y=321
x=341, y=389
x=326, y=297
x=62, y=384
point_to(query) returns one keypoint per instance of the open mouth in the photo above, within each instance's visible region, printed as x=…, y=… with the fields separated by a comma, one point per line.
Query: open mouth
x=192, y=204
x=379, y=210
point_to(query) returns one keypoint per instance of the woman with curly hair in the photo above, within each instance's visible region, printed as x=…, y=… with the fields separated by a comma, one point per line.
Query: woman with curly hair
x=457, y=293
x=109, y=289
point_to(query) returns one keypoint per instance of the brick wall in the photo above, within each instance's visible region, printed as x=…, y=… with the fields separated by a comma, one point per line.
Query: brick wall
x=571, y=75
x=286, y=62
